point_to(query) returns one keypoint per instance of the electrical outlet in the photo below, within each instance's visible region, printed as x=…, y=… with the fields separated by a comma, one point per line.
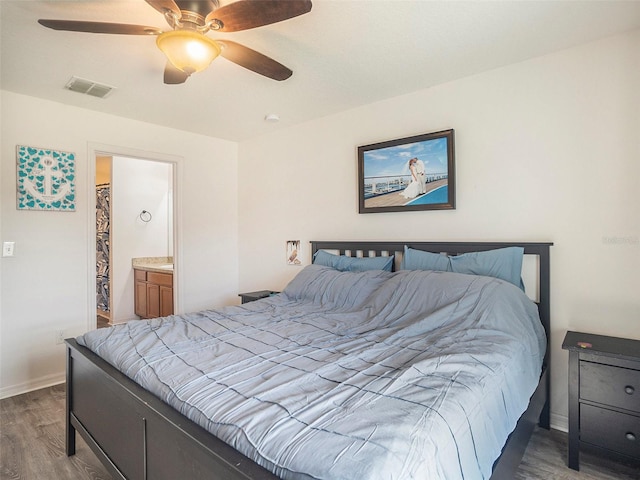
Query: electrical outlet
x=60, y=336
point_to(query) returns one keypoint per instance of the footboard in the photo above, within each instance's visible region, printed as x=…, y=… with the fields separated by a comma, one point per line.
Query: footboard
x=136, y=435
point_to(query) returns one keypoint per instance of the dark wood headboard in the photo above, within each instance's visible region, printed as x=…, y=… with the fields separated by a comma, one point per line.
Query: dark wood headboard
x=377, y=249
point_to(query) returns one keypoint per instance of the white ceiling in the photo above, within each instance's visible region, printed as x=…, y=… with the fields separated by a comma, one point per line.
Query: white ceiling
x=343, y=54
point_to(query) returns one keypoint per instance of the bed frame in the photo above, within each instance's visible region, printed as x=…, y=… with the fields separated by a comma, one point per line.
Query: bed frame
x=139, y=437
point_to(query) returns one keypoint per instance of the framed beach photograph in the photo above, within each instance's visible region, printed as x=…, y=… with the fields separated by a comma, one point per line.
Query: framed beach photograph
x=408, y=174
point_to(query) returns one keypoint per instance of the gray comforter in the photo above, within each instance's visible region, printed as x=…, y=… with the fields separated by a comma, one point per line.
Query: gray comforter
x=372, y=375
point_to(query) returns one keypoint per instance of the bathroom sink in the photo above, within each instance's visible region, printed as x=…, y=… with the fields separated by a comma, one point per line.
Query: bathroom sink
x=166, y=266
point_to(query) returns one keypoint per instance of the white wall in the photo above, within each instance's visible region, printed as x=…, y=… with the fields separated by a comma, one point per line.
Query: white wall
x=46, y=287
x=137, y=185
x=546, y=150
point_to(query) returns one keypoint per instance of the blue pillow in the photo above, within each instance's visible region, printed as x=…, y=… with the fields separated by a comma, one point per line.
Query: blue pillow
x=503, y=263
x=418, y=260
x=352, y=264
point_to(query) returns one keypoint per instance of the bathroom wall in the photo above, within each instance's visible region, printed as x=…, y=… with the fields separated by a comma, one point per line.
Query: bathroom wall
x=137, y=185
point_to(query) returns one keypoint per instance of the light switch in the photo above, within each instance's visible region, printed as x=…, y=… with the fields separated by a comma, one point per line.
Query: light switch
x=7, y=249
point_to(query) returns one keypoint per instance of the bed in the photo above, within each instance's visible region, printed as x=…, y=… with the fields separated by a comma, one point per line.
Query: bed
x=351, y=408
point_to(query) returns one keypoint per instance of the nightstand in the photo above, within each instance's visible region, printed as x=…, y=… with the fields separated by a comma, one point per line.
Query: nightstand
x=604, y=395
x=253, y=296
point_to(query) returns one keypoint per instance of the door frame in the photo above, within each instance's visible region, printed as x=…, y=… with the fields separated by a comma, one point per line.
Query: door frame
x=177, y=162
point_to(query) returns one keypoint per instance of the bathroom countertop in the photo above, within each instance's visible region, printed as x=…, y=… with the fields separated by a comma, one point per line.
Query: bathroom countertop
x=153, y=264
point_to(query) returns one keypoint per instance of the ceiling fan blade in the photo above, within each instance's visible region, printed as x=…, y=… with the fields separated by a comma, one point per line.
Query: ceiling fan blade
x=99, y=27
x=164, y=6
x=254, y=61
x=174, y=76
x=246, y=14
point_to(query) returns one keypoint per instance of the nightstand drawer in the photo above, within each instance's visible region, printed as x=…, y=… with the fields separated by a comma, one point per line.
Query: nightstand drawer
x=611, y=430
x=609, y=385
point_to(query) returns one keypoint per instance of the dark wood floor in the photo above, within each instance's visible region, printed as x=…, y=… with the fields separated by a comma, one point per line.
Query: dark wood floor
x=32, y=440
x=32, y=447
x=546, y=459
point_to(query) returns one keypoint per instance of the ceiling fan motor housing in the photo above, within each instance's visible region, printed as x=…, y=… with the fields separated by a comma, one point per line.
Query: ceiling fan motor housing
x=199, y=7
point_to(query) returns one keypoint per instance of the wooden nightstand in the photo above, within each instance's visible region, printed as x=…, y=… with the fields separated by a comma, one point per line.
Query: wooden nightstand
x=604, y=395
x=253, y=296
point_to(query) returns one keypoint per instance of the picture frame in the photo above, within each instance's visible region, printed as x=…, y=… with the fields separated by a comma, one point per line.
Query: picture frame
x=294, y=252
x=45, y=179
x=408, y=174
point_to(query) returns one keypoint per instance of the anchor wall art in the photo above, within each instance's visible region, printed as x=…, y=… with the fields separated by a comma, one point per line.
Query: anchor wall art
x=46, y=179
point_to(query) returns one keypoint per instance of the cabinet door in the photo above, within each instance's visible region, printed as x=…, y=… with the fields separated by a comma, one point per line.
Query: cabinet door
x=141, y=299
x=166, y=301
x=153, y=300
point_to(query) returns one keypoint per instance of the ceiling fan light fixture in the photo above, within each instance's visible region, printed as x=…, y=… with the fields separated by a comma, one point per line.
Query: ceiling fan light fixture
x=187, y=50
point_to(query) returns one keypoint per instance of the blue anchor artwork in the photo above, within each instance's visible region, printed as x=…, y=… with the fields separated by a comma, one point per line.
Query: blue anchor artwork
x=45, y=179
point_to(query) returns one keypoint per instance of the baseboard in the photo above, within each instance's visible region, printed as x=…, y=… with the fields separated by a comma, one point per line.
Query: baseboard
x=37, y=384
x=559, y=422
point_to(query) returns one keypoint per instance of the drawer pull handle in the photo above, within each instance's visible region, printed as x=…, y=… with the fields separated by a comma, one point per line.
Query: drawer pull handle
x=630, y=436
x=629, y=390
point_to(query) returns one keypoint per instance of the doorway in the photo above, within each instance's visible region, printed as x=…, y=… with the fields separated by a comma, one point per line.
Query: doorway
x=134, y=217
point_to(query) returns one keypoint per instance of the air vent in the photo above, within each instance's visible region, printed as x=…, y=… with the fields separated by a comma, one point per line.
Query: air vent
x=88, y=87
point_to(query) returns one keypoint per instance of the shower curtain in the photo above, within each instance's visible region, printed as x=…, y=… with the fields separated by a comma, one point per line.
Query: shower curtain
x=103, y=199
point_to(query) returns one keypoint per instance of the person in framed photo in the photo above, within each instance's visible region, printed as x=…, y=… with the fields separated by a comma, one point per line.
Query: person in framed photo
x=416, y=186
x=422, y=177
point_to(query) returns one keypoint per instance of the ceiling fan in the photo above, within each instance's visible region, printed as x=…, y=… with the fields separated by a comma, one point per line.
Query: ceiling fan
x=187, y=47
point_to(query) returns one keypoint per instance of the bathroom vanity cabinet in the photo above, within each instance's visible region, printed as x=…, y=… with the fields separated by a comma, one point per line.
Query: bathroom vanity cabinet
x=153, y=293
